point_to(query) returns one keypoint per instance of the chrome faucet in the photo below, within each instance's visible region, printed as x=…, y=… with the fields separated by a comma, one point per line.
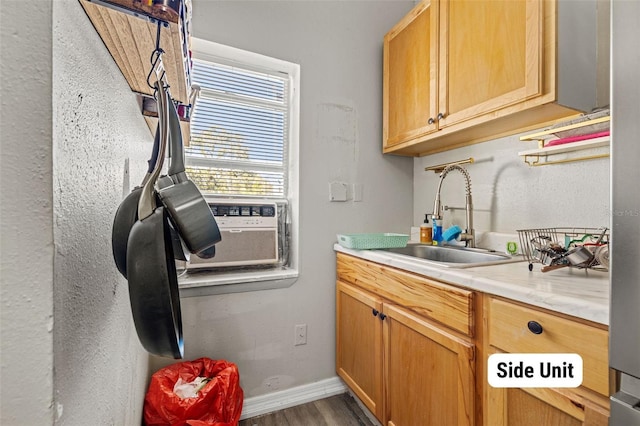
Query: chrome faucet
x=468, y=234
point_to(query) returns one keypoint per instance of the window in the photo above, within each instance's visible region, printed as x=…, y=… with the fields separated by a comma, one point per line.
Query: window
x=241, y=125
x=244, y=145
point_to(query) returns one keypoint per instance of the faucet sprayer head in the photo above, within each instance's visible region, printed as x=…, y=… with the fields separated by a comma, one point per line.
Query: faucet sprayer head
x=462, y=170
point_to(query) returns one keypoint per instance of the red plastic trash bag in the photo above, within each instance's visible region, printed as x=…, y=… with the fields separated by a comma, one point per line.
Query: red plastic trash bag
x=218, y=403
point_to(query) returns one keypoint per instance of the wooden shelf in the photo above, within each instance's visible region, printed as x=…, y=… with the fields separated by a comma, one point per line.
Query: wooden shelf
x=141, y=10
x=131, y=41
x=543, y=155
x=540, y=156
x=550, y=133
x=149, y=110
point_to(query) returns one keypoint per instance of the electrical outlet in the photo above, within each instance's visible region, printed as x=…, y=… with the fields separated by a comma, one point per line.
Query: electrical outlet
x=301, y=335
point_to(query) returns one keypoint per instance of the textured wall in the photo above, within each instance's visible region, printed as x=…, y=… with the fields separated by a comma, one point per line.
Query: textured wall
x=510, y=195
x=100, y=367
x=26, y=259
x=338, y=45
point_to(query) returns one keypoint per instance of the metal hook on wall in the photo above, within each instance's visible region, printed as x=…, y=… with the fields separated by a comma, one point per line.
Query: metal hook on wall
x=157, y=66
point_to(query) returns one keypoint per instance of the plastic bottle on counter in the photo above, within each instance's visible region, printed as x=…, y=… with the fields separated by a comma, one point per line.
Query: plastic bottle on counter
x=437, y=232
x=426, y=231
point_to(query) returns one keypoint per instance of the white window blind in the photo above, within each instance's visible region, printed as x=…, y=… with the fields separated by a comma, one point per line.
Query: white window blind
x=239, y=130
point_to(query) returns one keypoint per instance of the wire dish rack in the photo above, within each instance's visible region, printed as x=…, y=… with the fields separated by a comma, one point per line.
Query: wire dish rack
x=566, y=247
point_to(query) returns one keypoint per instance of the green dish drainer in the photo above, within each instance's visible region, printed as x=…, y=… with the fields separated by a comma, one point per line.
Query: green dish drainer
x=372, y=241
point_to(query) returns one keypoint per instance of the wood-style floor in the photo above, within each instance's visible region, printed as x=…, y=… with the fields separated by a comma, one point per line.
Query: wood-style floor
x=339, y=410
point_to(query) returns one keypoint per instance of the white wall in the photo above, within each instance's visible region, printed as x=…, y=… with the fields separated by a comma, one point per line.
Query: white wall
x=339, y=47
x=70, y=355
x=26, y=219
x=100, y=366
x=510, y=195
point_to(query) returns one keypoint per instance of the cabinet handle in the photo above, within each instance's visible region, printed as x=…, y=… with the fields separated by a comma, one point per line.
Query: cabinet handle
x=534, y=327
x=382, y=316
x=431, y=120
x=375, y=312
x=440, y=116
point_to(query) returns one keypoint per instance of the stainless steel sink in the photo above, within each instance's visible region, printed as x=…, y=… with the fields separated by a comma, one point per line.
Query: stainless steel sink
x=453, y=256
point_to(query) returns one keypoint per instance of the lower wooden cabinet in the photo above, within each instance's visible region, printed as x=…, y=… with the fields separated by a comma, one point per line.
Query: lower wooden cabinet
x=359, y=345
x=414, y=351
x=406, y=370
x=429, y=374
x=508, y=331
x=536, y=407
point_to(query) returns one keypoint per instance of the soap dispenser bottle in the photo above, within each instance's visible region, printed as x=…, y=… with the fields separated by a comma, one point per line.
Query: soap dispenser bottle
x=426, y=232
x=437, y=231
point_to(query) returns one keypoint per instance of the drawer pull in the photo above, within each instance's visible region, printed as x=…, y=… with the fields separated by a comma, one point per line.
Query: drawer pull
x=534, y=327
x=382, y=316
x=375, y=312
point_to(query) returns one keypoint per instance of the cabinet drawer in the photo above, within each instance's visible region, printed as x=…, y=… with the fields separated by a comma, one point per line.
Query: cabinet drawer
x=508, y=331
x=449, y=305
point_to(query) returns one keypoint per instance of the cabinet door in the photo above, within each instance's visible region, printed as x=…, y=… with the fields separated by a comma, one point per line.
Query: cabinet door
x=359, y=345
x=490, y=56
x=409, y=75
x=539, y=406
x=428, y=372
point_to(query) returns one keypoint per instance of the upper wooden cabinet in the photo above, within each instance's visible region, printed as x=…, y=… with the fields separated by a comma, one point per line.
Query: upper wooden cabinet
x=410, y=76
x=489, y=57
x=464, y=71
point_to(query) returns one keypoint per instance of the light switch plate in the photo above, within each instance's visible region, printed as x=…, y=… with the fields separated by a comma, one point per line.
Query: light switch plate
x=358, y=189
x=337, y=191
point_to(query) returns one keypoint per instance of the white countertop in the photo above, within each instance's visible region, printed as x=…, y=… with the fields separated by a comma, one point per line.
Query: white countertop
x=577, y=292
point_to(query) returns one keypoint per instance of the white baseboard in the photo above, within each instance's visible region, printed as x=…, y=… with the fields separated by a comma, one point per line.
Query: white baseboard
x=263, y=404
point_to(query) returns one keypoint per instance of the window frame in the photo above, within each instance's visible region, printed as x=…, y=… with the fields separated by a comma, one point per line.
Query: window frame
x=231, y=104
x=254, y=279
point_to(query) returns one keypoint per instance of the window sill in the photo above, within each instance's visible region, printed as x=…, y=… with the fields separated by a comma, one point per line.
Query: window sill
x=208, y=283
